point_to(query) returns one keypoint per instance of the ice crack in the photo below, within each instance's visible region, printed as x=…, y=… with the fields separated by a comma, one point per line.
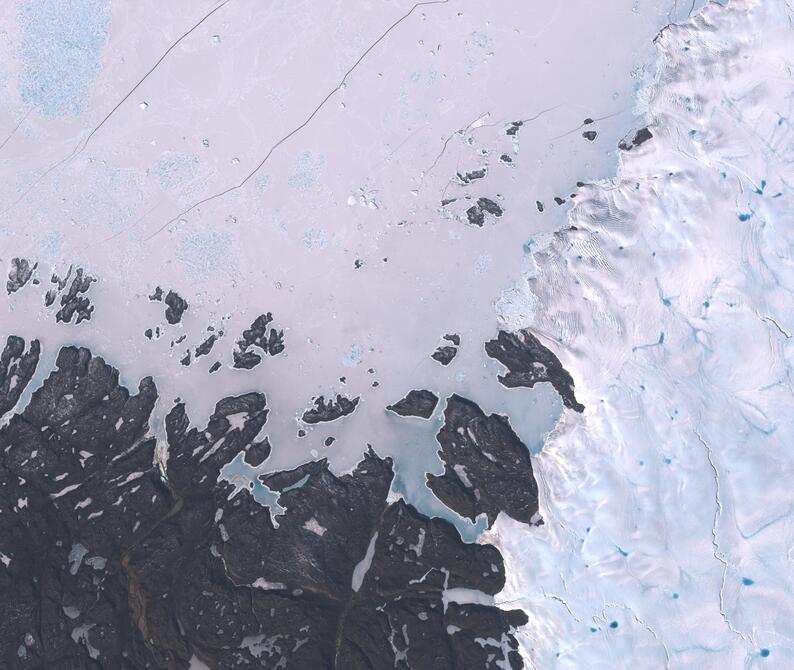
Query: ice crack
x=718, y=554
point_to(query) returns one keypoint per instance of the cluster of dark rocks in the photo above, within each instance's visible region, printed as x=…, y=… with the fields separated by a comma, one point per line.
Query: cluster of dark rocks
x=206, y=346
x=202, y=349
x=19, y=274
x=175, y=305
x=472, y=175
x=476, y=213
x=260, y=335
x=74, y=303
x=513, y=127
x=528, y=362
x=445, y=353
x=640, y=137
x=419, y=403
x=113, y=558
x=330, y=410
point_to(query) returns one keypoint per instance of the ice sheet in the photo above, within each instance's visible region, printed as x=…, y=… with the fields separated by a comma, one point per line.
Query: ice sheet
x=668, y=502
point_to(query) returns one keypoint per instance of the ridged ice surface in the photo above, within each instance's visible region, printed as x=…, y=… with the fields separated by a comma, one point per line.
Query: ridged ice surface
x=668, y=504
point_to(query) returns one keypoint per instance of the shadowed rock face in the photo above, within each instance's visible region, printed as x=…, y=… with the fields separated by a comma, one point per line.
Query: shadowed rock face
x=176, y=306
x=476, y=213
x=19, y=274
x=416, y=403
x=260, y=335
x=528, y=362
x=107, y=562
x=329, y=410
x=486, y=466
x=444, y=354
x=640, y=137
x=74, y=303
x=16, y=368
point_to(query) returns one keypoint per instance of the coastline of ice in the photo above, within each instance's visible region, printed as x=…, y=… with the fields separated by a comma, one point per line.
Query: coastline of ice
x=669, y=529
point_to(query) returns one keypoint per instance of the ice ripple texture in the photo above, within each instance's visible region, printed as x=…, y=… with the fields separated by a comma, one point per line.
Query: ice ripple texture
x=668, y=505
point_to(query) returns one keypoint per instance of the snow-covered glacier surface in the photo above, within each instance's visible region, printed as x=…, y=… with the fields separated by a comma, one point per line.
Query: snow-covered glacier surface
x=668, y=503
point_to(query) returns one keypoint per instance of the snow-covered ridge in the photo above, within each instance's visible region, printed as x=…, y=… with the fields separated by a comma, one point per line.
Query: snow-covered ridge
x=668, y=505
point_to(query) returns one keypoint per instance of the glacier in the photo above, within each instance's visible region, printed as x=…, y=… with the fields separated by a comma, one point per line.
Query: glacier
x=669, y=533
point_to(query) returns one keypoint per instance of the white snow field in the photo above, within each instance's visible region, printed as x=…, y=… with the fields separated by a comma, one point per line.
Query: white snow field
x=668, y=505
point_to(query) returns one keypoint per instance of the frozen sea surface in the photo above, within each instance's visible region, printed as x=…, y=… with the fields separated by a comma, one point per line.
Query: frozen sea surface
x=341, y=129
x=670, y=529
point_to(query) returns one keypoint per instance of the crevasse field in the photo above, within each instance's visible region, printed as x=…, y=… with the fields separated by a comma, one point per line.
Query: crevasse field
x=669, y=531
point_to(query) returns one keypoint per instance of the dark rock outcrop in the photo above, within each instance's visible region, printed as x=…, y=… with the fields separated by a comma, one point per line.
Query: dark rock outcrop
x=444, y=354
x=77, y=488
x=206, y=346
x=19, y=274
x=417, y=403
x=329, y=410
x=196, y=456
x=513, y=128
x=176, y=307
x=473, y=175
x=74, y=303
x=476, y=213
x=246, y=360
x=640, y=137
x=260, y=335
x=528, y=362
x=488, y=205
x=16, y=369
x=475, y=216
x=108, y=561
x=487, y=469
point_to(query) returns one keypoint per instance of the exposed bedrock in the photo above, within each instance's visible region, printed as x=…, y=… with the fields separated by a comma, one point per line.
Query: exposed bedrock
x=107, y=561
x=330, y=410
x=259, y=335
x=487, y=468
x=74, y=303
x=420, y=403
x=16, y=369
x=176, y=306
x=640, y=137
x=444, y=354
x=19, y=274
x=528, y=362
